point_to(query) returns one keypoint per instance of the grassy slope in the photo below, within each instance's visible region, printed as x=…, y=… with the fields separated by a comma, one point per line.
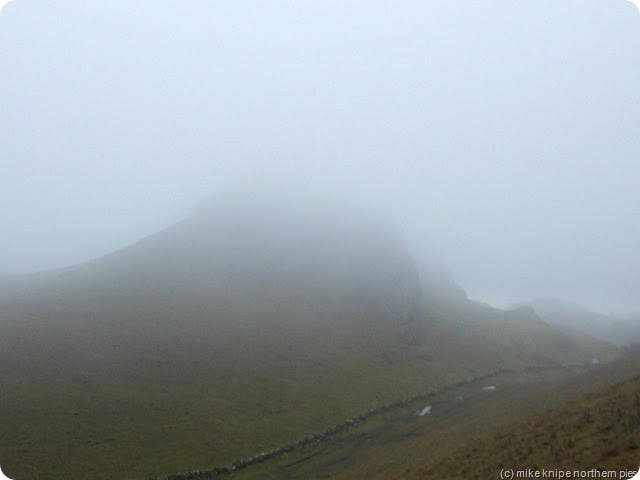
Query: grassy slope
x=144, y=363
x=600, y=429
x=157, y=401
x=532, y=420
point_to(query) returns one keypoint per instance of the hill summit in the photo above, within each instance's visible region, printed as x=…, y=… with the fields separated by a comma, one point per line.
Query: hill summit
x=238, y=254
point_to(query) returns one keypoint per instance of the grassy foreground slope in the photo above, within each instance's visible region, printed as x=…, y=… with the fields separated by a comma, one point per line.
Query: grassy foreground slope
x=597, y=430
x=540, y=419
x=238, y=330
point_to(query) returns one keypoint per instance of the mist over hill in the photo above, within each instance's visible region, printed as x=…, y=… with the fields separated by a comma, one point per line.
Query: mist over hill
x=246, y=253
x=621, y=330
x=501, y=135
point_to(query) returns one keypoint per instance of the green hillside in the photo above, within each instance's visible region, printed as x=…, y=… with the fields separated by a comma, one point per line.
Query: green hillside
x=242, y=328
x=575, y=418
x=597, y=430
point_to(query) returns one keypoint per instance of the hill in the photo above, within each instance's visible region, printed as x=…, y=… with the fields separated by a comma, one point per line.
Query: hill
x=573, y=317
x=248, y=325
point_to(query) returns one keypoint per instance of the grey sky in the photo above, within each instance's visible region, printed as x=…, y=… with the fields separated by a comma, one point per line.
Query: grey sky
x=503, y=136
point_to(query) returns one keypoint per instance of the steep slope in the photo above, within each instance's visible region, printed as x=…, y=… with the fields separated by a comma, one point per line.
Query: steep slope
x=244, y=327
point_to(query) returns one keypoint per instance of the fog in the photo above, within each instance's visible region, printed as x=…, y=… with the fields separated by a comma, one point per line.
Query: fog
x=503, y=137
